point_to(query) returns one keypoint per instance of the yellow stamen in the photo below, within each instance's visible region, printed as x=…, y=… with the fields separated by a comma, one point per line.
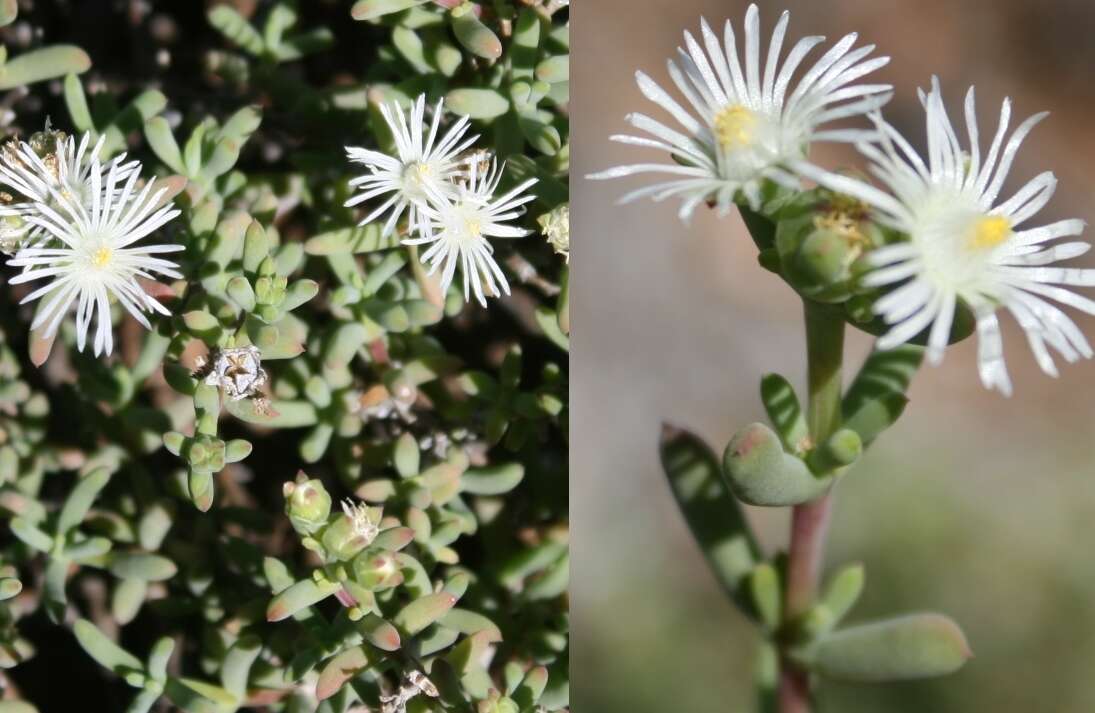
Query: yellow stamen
x=990, y=231
x=101, y=257
x=841, y=223
x=474, y=227
x=734, y=126
x=420, y=172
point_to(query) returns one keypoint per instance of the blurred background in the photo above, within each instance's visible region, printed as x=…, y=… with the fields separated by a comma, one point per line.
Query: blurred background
x=975, y=505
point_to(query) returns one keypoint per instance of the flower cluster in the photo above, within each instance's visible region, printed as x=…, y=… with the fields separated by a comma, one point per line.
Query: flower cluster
x=447, y=193
x=958, y=245
x=79, y=219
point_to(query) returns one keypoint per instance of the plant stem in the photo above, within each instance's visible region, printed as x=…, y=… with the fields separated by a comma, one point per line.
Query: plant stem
x=810, y=521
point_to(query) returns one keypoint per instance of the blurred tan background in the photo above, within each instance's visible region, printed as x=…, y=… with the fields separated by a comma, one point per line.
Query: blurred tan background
x=975, y=505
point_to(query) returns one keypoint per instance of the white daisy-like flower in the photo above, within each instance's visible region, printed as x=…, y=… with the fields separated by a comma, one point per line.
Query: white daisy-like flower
x=95, y=259
x=65, y=169
x=744, y=126
x=966, y=244
x=458, y=227
x=425, y=165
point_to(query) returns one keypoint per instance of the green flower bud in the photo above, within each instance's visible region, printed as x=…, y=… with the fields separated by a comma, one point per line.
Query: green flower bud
x=497, y=703
x=376, y=569
x=307, y=503
x=207, y=454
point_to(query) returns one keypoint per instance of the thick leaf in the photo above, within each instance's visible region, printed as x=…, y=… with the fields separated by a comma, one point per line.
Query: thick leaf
x=45, y=63
x=908, y=647
x=106, y=652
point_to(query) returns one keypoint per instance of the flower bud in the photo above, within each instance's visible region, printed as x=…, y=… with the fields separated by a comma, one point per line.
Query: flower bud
x=307, y=503
x=376, y=570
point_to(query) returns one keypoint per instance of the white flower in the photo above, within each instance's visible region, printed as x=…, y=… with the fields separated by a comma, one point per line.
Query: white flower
x=458, y=227
x=65, y=168
x=95, y=259
x=744, y=127
x=363, y=523
x=965, y=244
x=421, y=168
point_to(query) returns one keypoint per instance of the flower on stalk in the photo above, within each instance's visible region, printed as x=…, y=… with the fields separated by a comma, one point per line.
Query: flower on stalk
x=50, y=161
x=457, y=227
x=742, y=128
x=94, y=228
x=967, y=245
x=423, y=165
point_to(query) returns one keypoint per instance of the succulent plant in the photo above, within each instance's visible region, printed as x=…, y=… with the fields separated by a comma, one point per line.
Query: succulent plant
x=321, y=481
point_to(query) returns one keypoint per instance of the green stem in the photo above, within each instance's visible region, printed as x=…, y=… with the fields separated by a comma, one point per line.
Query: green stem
x=810, y=521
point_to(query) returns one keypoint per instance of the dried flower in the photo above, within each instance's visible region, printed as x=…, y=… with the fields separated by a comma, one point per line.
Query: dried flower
x=237, y=371
x=556, y=228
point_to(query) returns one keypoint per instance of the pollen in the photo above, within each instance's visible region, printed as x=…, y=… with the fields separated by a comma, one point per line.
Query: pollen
x=989, y=231
x=474, y=226
x=734, y=126
x=419, y=172
x=101, y=257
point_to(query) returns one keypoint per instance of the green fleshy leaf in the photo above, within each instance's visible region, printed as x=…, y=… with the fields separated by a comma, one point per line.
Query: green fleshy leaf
x=339, y=670
x=767, y=595
x=424, y=611
x=759, y=472
x=142, y=566
x=483, y=104
x=80, y=499
x=909, y=647
x=41, y=64
x=714, y=516
x=876, y=399
x=9, y=10
x=372, y=9
x=236, y=28
x=784, y=411
x=492, y=480
x=108, y=654
x=303, y=594
x=237, y=665
x=476, y=37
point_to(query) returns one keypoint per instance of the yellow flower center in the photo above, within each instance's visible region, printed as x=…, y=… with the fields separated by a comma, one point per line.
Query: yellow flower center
x=420, y=172
x=474, y=227
x=734, y=126
x=101, y=257
x=989, y=231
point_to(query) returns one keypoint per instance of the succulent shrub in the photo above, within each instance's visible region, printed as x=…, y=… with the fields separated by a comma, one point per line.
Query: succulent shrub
x=922, y=250
x=259, y=449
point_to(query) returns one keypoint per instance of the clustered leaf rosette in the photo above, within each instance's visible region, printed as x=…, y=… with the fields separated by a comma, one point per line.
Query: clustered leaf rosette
x=448, y=195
